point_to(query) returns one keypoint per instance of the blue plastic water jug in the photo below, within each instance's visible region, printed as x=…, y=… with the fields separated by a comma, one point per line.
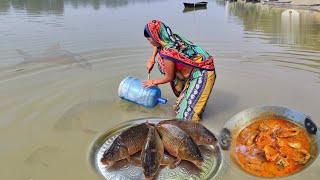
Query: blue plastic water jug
x=131, y=89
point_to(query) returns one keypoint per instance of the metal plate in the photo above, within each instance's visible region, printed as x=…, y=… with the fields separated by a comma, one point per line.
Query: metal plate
x=248, y=116
x=211, y=168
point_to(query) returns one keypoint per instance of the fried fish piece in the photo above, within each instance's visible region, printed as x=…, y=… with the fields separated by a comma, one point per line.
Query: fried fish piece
x=263, y=139
x=287, y=132
x=302, y=157
x=271, y=153
x=295, y=145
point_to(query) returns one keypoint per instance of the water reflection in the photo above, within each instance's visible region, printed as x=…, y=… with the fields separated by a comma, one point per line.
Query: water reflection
x=107, y=3
x=57, y=6
x=186, y=10
x=4, y=6
x=221, y=2
x=34, y=6
x=291, y=27
x=296, y=31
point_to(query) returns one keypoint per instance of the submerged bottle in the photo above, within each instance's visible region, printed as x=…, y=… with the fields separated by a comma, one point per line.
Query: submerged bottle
x=131, y=89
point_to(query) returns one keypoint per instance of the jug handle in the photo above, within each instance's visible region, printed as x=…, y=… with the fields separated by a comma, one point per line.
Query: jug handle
x=162, y=101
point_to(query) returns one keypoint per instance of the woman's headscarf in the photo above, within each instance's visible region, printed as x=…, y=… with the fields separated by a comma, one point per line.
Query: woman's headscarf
x=178, y=49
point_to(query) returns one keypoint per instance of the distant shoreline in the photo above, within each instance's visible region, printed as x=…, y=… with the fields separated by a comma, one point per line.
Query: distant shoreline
x=311, y=5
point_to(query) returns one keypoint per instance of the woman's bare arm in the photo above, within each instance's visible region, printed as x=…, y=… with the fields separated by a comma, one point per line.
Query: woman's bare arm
x=168, y=77
x=151, y=60
x=154, y=52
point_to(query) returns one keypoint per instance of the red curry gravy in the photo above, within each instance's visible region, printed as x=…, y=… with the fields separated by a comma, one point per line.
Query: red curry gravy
x=272, y=148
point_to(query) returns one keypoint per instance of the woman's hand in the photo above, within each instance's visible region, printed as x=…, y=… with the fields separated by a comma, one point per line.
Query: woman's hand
x=150, y=64
x=168, y=77
x=148, y=83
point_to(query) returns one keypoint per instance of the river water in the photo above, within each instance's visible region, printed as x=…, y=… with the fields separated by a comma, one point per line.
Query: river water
x=61, y=62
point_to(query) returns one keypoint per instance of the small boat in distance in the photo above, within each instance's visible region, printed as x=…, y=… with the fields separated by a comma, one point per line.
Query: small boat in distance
x=186, y=10
x=201, y=4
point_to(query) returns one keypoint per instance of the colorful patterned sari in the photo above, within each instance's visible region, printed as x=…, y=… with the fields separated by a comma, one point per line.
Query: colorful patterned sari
x=192, y=92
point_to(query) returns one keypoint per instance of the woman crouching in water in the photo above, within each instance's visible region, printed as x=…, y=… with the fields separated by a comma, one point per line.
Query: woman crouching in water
x=189, y=69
